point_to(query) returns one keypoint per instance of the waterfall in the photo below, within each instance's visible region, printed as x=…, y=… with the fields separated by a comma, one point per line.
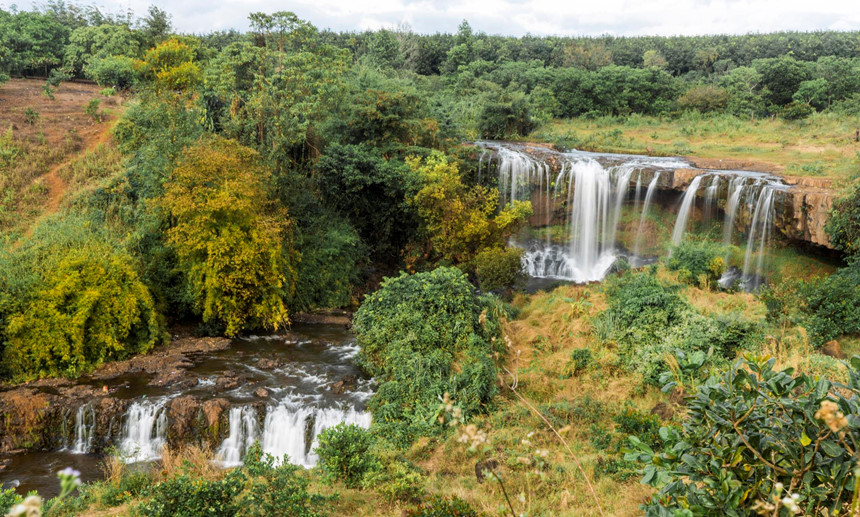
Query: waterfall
x=638, y=191
x=710, y=196
x=652, y=187
x=684, y=212
x=593, y=188
x=85, y=426
x=758, y=238
x=736, y=188
x=243, y=432
x=145, y=432
x=293, y=430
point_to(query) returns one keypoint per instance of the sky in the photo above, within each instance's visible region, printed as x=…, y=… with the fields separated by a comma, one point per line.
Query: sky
x=514, y=17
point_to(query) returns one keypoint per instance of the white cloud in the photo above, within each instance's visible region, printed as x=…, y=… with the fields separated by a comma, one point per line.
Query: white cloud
x=518, y=17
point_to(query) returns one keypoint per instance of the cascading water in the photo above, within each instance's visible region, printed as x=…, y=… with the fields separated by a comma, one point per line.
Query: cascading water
x=649, y=194
x=754, y=274
x=711, y=193
x=590, y=190
x=736, y=188
x=243, y=433
x=292, y=430
x=85, y=424
x=684, y=212
x=145, y=432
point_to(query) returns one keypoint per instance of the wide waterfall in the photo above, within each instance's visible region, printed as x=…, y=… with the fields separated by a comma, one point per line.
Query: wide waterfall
x=588, y=193
x=293, y=430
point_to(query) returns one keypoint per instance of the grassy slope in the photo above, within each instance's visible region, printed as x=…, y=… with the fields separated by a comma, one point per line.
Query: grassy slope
x=822, y=146
x=47, y=156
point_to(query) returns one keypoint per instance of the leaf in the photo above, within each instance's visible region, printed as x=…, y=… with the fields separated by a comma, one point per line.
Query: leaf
x=805, y=440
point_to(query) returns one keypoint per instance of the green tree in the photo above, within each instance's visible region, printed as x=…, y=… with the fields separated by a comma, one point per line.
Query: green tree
x=812, y=92
x=459, y=221
x=781, y=77
x=234, y=247
x=88, y=44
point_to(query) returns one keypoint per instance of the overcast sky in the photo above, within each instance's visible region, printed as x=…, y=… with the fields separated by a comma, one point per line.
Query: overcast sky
x=515, y=17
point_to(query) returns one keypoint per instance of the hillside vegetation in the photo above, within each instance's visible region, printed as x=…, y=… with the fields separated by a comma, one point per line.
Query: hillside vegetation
x=227, y=181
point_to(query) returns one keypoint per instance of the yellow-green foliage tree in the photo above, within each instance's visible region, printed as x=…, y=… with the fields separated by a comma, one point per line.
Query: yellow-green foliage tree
x=170, y=66
x=460, y=220
x=234, y=247
x=89, y=308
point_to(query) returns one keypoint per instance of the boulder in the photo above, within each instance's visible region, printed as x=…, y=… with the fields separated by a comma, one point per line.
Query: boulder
x=832, y=349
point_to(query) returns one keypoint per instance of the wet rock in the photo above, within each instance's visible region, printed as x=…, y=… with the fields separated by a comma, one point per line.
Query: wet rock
x=268, y=364
x=227, y=383
x=663, y=410
x=180, y=354
x=346, y=383
x=30, y=419
x=329, y=317
x=182, y=417
x=213, y=410
x=263, y=393
x=832, y=349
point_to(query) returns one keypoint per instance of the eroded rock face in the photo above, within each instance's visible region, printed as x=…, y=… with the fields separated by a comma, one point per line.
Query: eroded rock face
x=801, y=213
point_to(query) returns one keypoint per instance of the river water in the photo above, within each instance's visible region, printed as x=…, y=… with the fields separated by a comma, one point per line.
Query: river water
x=315, y=384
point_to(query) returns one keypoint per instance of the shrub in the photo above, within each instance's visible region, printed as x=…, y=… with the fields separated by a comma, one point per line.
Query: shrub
x=130, y=486
x=796, y=111
x=344, y=452
x=92, y=110
x=697, y=260
x=272, y=490
x=31, y=116
x=85, y=306
x=843, y=225
x=747, y=429
x=500, y=269
x=114, y=71
x=422, y=336
x=580, y=360
x=8, y=499
x=184, y=496
x=438, y=506
x=704, y=99
x=396, y=480
x=832, y=305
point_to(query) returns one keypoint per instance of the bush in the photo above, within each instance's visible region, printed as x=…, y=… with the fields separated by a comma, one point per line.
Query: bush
x=438, y=506
x=422, y=336
x=704, y=99
x=114, y=71
x=184, y=496
x=92, y=110
x=396, y=480
x=831, y=305
x=8, y=499
x=747, y=429
x=796, y=111
x=344, y=452
x=31, y=116
x=79, y=308
x=843, y=225
x=699, y=262
x=257, y=489
x=130, y=486
x=500, y=269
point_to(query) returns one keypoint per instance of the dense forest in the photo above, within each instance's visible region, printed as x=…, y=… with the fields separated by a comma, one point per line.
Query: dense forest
x=250, y=177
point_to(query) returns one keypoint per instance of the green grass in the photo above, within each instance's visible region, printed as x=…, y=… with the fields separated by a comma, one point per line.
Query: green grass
x=821, y=146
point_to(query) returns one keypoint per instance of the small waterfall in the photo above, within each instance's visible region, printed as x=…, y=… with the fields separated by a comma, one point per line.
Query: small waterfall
x=243, y=432
x=145, y=432
x=711, y=193
x=293, y=430
x=649, y=194
x=85, y=426
x=684, y=212
x=758, y=238
x=736, y=188
x=638, y=195
x=591, y=258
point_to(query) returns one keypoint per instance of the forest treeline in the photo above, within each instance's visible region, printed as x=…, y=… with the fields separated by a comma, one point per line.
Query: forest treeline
x=282, y=169
x=488, y=85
